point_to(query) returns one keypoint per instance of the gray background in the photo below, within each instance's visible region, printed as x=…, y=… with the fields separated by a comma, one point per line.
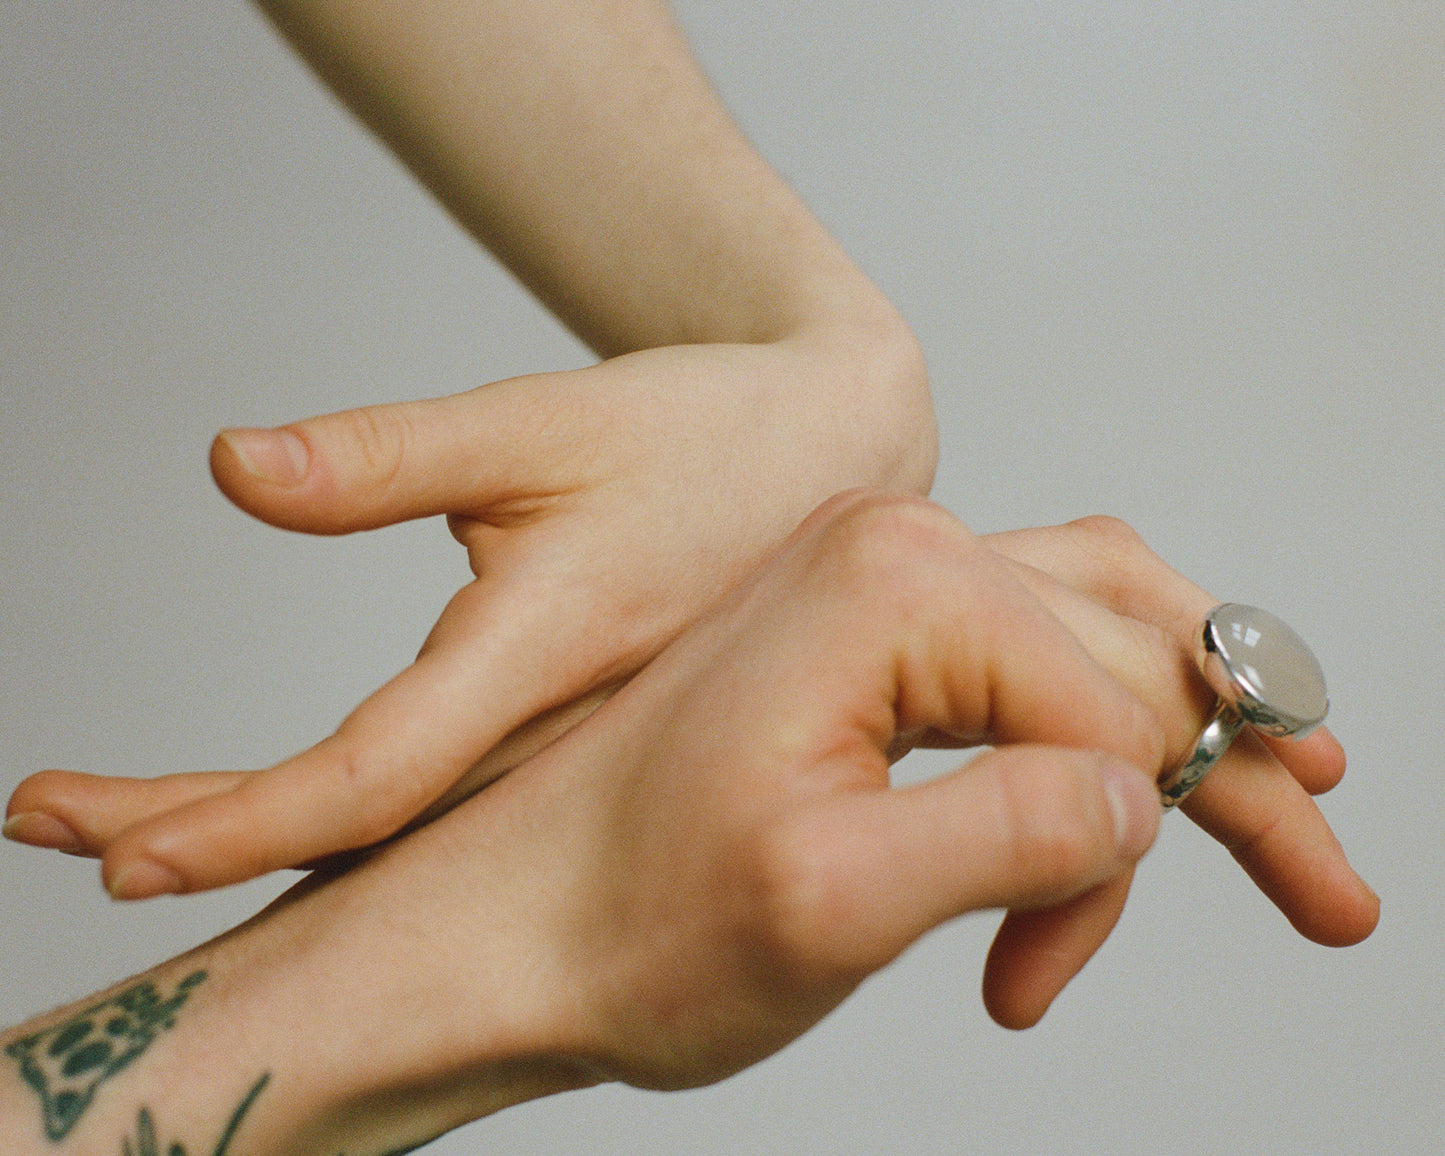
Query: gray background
x=1179, y=264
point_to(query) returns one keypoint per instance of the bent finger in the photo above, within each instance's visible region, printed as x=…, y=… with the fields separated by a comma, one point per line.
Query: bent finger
x=1106, y=562
x=1019, y=827
x=1037, y=952
x=1256, y=802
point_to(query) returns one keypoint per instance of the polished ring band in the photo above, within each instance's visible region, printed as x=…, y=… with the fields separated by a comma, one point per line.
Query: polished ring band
x=1266, y=678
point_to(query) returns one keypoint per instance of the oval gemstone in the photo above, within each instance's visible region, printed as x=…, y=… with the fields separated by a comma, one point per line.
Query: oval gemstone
x=1274, y=679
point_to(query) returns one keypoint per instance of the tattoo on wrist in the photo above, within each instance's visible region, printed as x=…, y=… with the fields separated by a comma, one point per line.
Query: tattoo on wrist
x=67, y=1063
x=146, y=1144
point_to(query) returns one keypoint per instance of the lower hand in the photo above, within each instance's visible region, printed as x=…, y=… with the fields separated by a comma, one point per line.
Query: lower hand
x=709, y=863
x=700, y=870
x=1108, y=597
x=1139, y=620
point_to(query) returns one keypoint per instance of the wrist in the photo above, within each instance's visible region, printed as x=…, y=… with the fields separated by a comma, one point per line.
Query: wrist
x=147, y=1066
x=875, y=379
x=372, y=1043
x=315, y=1028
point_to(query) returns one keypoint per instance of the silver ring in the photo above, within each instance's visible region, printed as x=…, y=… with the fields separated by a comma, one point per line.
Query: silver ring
x=1265, y=676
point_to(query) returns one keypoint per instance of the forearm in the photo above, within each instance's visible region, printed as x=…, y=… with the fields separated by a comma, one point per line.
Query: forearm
x=146, y=1067
x=290, y=1036
x=580, y=141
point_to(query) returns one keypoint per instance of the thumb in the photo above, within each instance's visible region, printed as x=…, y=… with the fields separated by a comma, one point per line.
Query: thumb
x=374, y=466
x=1022, y=827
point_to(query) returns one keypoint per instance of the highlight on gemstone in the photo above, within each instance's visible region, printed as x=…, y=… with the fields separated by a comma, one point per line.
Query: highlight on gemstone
x=1265, y=670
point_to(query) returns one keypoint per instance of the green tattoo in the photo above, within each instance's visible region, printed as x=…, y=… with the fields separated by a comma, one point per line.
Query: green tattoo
x=67, y=1063
x=145, y=1129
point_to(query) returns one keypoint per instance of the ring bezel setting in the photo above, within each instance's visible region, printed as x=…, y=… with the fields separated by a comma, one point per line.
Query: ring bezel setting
x=1266, y=678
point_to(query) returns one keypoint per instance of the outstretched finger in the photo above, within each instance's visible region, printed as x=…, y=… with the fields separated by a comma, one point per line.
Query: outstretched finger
x=83, y=814
x=1277, y=834
x=498, y=451
x=397, y=754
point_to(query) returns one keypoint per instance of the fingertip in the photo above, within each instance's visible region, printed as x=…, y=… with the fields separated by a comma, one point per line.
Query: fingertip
x=1036, y=954
x=1134, y=806
x=38, y=792
x=1010, y=1007
x=283, y=478
x=1370, y=912
x=1350, y=920
x=42, y=830
x=274, y=457
x=47, y=810
x=1325, y=758
x=191, y=848
x=139, y=878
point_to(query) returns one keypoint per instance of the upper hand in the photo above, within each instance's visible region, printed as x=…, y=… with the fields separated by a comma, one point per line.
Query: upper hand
x=602, y=510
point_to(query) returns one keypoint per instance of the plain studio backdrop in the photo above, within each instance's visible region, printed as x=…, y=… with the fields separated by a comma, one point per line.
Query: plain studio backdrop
x=1180, y=263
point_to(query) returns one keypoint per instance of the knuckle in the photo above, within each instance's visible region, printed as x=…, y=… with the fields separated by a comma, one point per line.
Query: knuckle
x=379, y=437
x=377, y=805
x=1059, y=828
x=1118, y=555
x=883, y=543
x=1108, y=533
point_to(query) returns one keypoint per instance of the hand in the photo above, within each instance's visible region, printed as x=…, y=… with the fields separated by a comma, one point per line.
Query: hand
x=602, y=511
x=754, y=370
x=1139, y=619
x=699, y=871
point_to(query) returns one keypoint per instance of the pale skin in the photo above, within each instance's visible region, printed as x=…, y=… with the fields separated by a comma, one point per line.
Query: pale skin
x=704, y=867
x=616, y=519
x=751, y=370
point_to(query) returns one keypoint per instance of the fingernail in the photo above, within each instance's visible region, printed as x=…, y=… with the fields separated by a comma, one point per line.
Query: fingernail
x=143, y=879
x=1134, y=802
x=36, y=829
x=277, y=456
